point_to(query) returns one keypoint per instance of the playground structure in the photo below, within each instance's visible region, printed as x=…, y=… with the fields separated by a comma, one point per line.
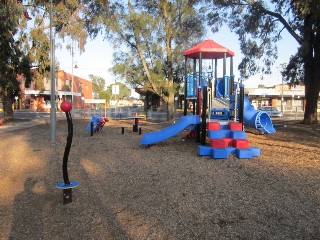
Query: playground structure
x=202, y=88
x=163, y=134
x=96, y=124
x=226, y=139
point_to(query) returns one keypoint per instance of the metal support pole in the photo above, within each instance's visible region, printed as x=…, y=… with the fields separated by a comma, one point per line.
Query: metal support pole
x=193, y=109
x=241, y=107
x=200, y=84
x=185, y=107
x=53, y=85
x=199, y=99
x=215, y=77
x=195, y=103
x=224, y=64
x=236, y=102
x=72, y=78
x=282, y=110
x=231, y=85
x=204, y=116
x=231, y=77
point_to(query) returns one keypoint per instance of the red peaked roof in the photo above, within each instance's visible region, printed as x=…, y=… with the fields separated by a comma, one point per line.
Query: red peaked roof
x=209, y=50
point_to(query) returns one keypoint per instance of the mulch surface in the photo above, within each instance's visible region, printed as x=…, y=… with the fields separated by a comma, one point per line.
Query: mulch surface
x=163, y=191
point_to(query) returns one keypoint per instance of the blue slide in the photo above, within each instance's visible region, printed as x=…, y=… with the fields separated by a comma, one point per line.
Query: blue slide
x=168, y=132
x=258, y=119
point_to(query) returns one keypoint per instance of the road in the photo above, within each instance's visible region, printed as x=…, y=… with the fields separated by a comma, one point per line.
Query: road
x=79, y=114
x=123, y=112
x=30, y=115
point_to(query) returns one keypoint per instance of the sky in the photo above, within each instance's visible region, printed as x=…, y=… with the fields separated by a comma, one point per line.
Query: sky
x=286, y=47
x=98, y=56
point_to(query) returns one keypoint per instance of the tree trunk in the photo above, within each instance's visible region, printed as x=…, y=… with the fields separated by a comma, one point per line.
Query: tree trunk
x=7, y=108
x=311, y=91
x=170, y=112
x=311, y=47
x=310, y=114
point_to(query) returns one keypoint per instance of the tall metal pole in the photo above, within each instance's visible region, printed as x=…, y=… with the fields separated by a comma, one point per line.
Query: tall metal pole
x=53, y=85
x=282, y=95
x=224, y=64
x=72, y=79
x=231, y=87
x=195, y=101
x=204, y=115
x=215, y=77
x=241, y=107
x=185, y=107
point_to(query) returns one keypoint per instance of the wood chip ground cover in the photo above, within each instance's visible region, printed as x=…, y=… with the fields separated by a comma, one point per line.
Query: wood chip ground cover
x=163, y=191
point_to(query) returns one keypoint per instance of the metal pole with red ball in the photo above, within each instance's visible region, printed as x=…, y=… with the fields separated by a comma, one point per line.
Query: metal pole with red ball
x=67, y=185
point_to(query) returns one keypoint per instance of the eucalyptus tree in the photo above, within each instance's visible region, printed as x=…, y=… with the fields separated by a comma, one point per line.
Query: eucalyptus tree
x=98, y=83
x=13, y=61
x=68, y=27
x=124, y=91
x=259, y=25
x=149, y=38
x=98, y=86
x=25, y=40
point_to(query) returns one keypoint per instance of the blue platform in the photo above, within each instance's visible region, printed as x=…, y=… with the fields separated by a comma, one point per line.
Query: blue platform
x=62, y=185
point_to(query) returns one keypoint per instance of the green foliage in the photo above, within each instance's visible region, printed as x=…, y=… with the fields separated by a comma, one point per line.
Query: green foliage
x=98, y=83
x=259, y=25
x=67, y=24
x=124, y=91
x=13, y=61
x=25, y=38
x=98, y=86
x=150, y=37
x=105, y=95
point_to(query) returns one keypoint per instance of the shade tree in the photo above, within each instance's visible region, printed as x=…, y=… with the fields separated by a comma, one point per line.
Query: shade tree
x=259, y=25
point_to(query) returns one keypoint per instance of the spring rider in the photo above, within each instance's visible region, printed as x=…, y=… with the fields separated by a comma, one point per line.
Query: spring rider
x=67, y=185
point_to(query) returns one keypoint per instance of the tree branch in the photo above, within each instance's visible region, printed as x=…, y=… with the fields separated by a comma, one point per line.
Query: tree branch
x=142, y=59
x=284, y=23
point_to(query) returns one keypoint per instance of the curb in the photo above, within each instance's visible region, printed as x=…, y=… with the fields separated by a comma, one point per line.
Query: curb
x=23, y=125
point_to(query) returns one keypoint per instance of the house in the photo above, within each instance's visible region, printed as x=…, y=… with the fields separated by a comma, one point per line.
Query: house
x=68, y=87
x=153, y=102
x=282, y=96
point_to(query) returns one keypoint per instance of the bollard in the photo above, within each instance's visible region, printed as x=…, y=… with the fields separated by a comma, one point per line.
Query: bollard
x=91, y=129
x=139, y=130
x=122, y=130
x=134, y=128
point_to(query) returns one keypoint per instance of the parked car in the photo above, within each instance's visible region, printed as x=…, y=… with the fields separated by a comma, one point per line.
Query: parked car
x=135, y=105
x=271, y=111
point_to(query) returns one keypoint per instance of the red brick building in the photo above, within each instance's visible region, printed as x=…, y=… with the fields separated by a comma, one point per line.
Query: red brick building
x=37, y=96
